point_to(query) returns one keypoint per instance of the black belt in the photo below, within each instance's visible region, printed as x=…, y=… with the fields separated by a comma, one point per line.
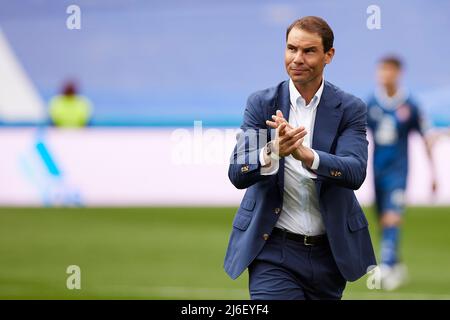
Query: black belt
x=306, y=240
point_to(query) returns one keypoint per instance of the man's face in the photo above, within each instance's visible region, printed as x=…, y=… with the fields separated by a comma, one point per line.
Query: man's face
x=304, y=57
x=388, y=75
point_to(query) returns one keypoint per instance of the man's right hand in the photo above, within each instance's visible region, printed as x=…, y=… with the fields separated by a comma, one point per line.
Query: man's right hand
x=287, y=139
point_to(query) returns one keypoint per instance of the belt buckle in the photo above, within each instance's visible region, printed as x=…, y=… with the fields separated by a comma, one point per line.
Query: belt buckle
x=305, y=241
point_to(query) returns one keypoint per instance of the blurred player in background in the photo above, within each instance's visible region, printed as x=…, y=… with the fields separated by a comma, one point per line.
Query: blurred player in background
x=392, y=115
x=69, y=109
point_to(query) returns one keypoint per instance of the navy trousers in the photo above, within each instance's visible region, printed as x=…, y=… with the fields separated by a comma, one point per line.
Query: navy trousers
x=286, y=269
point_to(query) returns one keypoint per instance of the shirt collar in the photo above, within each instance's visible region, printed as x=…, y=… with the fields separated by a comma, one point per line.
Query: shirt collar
x=297, y=99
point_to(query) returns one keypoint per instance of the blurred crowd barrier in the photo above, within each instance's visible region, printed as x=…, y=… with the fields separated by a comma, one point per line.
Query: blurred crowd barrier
x=148, y=166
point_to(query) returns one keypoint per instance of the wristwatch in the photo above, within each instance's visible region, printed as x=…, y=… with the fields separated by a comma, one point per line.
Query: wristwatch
x=270, y=152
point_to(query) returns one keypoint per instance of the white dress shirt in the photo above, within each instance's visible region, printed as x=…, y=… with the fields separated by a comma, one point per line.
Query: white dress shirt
x=300, y=212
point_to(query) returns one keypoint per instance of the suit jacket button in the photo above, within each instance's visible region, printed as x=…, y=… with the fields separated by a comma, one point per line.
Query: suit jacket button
x=265, y=236
x=277, y=210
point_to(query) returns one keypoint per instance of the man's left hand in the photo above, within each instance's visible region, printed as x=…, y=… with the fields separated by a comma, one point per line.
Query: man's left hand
x=301, y=153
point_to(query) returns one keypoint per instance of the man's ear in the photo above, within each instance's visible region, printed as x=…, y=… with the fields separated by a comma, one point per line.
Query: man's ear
x=329, y=56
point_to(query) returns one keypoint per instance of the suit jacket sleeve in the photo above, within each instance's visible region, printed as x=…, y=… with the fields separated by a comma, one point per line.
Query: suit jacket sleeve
x=244, y=169
x=347, y=165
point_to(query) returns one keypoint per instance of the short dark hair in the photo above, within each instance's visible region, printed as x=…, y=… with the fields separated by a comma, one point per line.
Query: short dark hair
x=393, y=60
x=314, y=25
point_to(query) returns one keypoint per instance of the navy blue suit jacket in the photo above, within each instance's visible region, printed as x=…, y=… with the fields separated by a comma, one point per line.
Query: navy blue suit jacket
x=340, y=140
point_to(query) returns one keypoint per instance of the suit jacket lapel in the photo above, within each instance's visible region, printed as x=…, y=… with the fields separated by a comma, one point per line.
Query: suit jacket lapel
x=284, y=104
x=328, y=117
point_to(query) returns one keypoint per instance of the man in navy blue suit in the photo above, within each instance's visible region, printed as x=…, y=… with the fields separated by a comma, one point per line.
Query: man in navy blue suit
x=301, y=153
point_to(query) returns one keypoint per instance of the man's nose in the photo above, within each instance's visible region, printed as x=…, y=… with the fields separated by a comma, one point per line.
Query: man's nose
x=298, y=58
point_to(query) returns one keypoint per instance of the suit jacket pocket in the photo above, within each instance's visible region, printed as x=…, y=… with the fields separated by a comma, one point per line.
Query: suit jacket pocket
x=357, y=222
x=248, y=204
x=244, y=214
x=241, y=221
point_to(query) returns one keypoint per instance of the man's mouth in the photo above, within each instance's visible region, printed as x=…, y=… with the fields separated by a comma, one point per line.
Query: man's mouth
x=299, y=70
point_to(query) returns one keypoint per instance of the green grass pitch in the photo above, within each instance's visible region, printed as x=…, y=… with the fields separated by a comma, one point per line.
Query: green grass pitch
x=175, y=253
